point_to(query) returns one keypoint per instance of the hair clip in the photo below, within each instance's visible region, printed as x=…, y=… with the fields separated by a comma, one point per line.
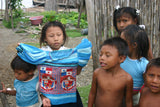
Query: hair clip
x=142, y=26
x=138, y=12
x=117, y=7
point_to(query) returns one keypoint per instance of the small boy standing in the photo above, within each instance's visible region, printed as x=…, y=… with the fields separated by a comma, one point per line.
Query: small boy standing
x=110, y=82
x=150, y=95
x=26, y=84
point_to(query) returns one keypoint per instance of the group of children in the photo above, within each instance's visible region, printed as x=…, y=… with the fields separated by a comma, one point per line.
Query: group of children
x=126, y=64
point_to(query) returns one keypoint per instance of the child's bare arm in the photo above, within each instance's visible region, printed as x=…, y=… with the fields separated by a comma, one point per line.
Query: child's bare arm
x=6, y=91
x=79, y=68
x=129, y=91
x=141, y=101
x=92, y=94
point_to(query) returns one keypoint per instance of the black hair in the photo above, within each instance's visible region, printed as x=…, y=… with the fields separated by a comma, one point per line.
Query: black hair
x=134, y=33
x=153, y=62
x=125, y=10
x=119, y=43
x=52, y=24
x=18, y=64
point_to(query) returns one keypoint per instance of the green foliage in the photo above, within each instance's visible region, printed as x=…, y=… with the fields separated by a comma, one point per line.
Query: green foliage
x=49, y=16
x=17, y=13
x=23, y=20
x=84, y=93
x=16, y=21
x=65, y=18
x=9, y=24
x=15, y=5
x=37, y=28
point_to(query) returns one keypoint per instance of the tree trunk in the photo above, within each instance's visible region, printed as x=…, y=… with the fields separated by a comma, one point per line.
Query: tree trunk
x=79, y=17
x=6, y=17
x=51, y=5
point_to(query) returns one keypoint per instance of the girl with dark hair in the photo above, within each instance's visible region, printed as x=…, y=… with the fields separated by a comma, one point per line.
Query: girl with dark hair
x=136, y=62
x=53, y=37
x=122, y=17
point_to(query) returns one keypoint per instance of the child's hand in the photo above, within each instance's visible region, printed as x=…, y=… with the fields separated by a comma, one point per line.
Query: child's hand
x=46, y=102
x=4, y=90
x=18, y=44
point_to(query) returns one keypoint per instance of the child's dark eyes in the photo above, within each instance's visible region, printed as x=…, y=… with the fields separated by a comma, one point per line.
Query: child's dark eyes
x=18, y=73
x=107, y=55
x=151, y=75
x=124, y=20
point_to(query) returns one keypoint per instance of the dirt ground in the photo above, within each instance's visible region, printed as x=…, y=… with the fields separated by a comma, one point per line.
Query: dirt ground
x=8, y=44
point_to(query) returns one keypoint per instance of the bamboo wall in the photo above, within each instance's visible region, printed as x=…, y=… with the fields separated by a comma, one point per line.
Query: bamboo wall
x=100, y=21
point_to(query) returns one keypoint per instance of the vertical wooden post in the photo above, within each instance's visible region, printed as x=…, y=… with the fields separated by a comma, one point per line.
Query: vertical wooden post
x=3, y=98
x=91, y=31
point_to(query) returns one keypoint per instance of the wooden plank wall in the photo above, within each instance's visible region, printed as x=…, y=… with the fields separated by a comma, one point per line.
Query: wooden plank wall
x=102, y=14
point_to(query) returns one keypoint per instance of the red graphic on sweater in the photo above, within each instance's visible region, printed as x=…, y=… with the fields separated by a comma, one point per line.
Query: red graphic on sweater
x=67, y=80
x=48, y=83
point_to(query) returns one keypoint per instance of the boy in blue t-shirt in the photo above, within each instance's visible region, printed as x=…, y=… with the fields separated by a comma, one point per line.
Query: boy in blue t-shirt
x=25, y=84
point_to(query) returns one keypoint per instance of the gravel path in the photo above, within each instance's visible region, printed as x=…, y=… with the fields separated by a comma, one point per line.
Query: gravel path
x=8, y=43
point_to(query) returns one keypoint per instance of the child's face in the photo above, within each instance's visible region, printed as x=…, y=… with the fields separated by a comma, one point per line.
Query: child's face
x=21, y=75
x=153, y=79
x=109, y=57
x=124, y=21
x=54, y=37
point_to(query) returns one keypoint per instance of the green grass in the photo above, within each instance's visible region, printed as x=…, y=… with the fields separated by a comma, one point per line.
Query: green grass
x=84, y=93
x=33, y=44
x=74, y=33
x=34, y=35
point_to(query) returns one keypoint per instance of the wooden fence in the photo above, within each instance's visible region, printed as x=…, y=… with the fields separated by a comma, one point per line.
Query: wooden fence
x=100, y=21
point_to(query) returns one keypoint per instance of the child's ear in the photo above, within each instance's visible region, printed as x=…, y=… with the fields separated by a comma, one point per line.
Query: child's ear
x=122, y=58
x=31, y=72
x=134, y=45
x=135, y=21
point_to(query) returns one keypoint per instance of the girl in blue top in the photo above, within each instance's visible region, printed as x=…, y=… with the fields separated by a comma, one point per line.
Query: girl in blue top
x=136, y=62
